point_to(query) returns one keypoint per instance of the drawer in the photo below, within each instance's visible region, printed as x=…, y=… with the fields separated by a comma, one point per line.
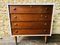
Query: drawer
x=30, y=17
x=30, y=32
x=30, y=25
x=30, y=8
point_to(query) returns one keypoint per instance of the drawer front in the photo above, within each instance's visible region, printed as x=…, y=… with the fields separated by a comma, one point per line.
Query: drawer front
x=30, y=25
x=31, y=9
x=30, y=17
x=29, y=32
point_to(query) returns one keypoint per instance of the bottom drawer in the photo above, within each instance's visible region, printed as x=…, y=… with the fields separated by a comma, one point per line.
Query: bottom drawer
x=30, y=32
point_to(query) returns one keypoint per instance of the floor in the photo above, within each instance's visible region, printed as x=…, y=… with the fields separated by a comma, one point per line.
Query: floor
x=54, y=40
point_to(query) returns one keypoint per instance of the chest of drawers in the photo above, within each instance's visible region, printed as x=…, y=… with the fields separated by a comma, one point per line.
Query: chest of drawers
x=30, y=19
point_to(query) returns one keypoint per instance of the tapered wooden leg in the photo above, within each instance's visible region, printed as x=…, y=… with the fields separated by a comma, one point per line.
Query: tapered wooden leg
x=16, y=40
x=45, y=39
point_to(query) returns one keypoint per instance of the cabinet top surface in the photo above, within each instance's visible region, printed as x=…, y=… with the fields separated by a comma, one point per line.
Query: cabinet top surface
x=34, y=4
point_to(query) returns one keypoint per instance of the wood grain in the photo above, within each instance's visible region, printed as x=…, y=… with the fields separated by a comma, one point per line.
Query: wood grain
x=30, y=32
x=31, y=24
x=29, y=9
x=30, y=17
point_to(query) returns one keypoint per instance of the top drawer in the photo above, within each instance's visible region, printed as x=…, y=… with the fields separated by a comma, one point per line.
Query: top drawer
x=30, y=8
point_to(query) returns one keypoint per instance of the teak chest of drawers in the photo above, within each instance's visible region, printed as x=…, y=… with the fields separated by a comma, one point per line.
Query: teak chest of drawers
x=31, y=19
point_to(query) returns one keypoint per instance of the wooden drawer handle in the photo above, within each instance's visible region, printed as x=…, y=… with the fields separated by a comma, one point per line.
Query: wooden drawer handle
x=41, y=15
x=46, y=8
x=45, y=23
x=14, y=9
x=45, y=16
x=15, y=24
x=31, y=6
x=45, y=30
x=16, y=32
x=15, y=16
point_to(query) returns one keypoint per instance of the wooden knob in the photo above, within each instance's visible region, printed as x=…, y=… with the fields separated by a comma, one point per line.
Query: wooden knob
x=30, y=6
x=16, y=24
x=41, y=15
x=14, y=8
x=45, y=16
x=15, y=16
x=46, y=8
x=45, y=30
x=45, y=23
x=16, y=31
